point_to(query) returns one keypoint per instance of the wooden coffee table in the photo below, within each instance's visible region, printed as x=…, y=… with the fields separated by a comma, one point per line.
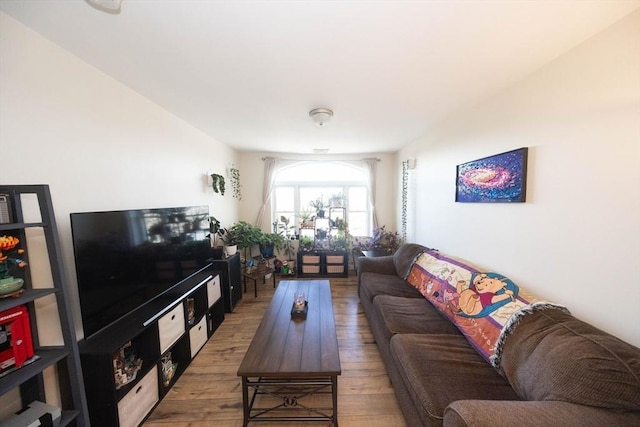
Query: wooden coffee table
x=292, y=363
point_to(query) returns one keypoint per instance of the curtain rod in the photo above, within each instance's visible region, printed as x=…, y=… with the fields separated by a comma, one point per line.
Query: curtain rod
x=324, y=160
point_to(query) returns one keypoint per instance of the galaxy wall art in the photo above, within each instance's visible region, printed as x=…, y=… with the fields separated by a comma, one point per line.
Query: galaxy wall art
x=496, y=179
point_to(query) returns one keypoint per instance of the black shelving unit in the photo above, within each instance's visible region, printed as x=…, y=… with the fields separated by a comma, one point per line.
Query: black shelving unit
x=230, y=280
x=29, y=377
x=324, y=263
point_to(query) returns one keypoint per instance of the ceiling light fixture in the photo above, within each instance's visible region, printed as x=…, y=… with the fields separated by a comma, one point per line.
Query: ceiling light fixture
x=111, y=6
x=320, y=116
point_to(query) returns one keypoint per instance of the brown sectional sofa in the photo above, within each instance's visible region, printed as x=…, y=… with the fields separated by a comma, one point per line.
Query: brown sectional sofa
x=554, y=369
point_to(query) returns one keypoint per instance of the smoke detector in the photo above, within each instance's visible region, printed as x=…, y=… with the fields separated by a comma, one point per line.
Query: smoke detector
x=320, y=116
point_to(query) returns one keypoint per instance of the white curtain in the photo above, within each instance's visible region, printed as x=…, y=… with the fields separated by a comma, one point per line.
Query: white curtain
x=271, y=165
x=370, y=167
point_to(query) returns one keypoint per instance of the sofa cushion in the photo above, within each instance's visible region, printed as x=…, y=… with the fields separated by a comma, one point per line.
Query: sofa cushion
x=551, y=355
x=374, y=284
x=405, y=256
x=397, y=315
x=439, y=369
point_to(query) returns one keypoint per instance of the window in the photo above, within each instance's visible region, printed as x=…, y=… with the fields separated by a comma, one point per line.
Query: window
x=298, y=184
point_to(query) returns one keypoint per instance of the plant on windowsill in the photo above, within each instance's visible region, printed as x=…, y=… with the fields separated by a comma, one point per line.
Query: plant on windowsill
x=319, y=205
x=306, y=218
x=337, y=200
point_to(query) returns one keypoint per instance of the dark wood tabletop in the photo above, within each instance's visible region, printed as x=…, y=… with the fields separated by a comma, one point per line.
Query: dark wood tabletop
x=290, y=347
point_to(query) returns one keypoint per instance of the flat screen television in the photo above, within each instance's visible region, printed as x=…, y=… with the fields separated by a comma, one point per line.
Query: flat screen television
x=126, y=259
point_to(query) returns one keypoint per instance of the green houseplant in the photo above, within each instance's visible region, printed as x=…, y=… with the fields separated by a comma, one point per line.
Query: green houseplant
x=269, y=242
x=306, y=243
x=319, y=205
x=234, y=174
x=244, y=235
x=217, y=183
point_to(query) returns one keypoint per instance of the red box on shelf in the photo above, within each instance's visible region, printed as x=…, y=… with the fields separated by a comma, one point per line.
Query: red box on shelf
x=16, y=345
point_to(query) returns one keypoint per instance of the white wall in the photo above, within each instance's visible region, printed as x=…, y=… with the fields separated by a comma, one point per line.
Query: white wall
x=576, y=240
x=99, y=145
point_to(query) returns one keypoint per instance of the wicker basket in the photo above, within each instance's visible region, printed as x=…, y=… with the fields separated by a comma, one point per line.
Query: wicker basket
x=311, y=269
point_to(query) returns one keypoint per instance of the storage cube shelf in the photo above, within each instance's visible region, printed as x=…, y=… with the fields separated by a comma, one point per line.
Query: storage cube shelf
x=323, y=263
x=170, y=335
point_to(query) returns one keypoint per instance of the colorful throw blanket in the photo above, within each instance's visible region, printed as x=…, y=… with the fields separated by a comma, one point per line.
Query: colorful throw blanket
x=479, y=304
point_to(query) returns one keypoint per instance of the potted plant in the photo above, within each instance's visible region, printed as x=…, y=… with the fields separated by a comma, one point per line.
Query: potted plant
x=306, y=218
x=337, y=200
x=388, y=241
x=217, y=183
x=306, y=243
x=319, y=205
x=216, y=235
x=269, y=242
x=288, y=248
x=245, y=236
x=234, y=174
x=230, y=242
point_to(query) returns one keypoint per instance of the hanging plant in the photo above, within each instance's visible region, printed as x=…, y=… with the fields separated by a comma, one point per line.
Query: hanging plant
x=217, y=183
x=235, y=183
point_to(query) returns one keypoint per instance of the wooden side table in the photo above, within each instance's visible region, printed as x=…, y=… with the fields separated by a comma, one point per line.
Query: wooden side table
x=255, y=275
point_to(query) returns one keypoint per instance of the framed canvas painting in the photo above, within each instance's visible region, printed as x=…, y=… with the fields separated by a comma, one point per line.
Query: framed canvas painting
x=501, y=178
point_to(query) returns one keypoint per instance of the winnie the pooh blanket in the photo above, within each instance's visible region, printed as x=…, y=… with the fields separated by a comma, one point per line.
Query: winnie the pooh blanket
x=485, y=306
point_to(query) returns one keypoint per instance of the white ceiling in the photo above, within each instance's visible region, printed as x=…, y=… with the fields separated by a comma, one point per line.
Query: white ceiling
x=248, y=72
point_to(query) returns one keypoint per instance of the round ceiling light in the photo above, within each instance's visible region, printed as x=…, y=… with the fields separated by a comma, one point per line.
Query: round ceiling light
x=320, y=116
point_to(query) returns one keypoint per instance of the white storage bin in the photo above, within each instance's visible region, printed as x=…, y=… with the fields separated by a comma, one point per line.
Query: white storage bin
x=171, y=327
x=213, y=290
x=198, y=336
x=136, y=404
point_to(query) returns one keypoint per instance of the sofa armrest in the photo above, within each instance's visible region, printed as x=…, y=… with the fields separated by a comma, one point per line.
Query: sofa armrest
x=380, y=265
x=532, y=413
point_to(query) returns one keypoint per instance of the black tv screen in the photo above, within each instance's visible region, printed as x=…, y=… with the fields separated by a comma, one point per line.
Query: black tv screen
x=125, y=259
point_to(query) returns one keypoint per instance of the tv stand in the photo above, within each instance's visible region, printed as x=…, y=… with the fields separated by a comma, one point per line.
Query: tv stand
x=159, y=340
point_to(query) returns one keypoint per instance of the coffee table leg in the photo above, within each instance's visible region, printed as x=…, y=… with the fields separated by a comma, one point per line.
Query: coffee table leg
x=245, y=402
x=334, y=395
x=255, y=288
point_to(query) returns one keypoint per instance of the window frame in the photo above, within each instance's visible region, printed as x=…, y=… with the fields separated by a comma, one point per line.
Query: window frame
x=344, y=188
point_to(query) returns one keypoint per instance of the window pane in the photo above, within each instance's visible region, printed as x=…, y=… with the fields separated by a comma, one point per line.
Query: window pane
x=309, y=194
x=284, y=200
x=358, y=199
x=358, y=224
x=320, y=172
x=298, y=185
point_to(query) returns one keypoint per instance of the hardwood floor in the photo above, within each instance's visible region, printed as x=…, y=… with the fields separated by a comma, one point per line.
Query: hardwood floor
x=209, y=393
